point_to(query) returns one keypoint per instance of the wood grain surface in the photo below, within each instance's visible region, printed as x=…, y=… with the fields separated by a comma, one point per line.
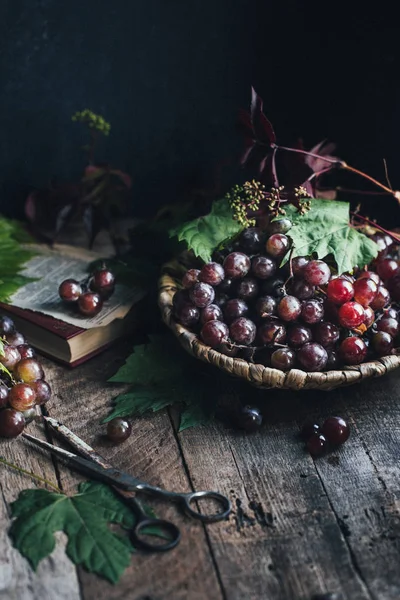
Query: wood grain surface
x=299, y=526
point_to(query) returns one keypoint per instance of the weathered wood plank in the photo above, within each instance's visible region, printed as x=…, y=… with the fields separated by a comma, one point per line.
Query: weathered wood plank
x=56, y=577
x=81, y=401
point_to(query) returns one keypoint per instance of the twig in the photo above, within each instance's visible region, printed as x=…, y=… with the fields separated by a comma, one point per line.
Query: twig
x=387, y=174
x=274, y=171
x=33, y=475
x=373, y=224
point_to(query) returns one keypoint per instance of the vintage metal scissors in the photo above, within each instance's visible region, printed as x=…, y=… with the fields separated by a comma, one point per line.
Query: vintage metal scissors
x=92, y=464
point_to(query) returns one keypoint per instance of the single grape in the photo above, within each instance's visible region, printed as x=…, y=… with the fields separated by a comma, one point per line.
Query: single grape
x=221, y=299
x=212, y=273
x=103, y=282
x=381, y=299
x=251, y=240
x=289, y=308
x=190, y=278
x=353, y=350
x=389, y=325
x=387, y=268
x=202, y=294
x=272, y=333
x=326, y=334
x=242, y=331
x=266, y=306
x=308, y=429
x=28, y=370
x=351, y=315
x=236, y=265
x=26, y=351
x=298, y=335
x=118, y=430
x=277, y=245
x=249, y=418
x=15, y=338
x=70, y=290
x=10, y=357
x=283, y=359
x=312, y=311
x=212, y=312
x=247, y=288
x=3, y=395
x=317, y=444
x=369, y=317
x=301, y=289
x=279, y=226
x=12, y=422
x=336, y=430
x=213, y=333
x=29, y=415
x=90, y=304
x=365, y=291
x=316, y=272
x=312, y=357
x=370, y=275
x=234, y=308
x=298, y=264
x=332, y=361
x=22, y=396
x=181, y=297
x=381, y=241
x=6, y=325
x=43, y=391
x=274, y=287
x=392, y=312
x=382, y=343
x=225, y=287
x=263, y=267
x=340, y=290
x=188, y=315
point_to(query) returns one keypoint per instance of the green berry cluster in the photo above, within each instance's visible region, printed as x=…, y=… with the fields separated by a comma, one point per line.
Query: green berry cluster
x=303, y=199
x=245, y=199
x=92, y=120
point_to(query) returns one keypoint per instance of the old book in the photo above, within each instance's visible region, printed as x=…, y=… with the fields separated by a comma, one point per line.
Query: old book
x=56, y=329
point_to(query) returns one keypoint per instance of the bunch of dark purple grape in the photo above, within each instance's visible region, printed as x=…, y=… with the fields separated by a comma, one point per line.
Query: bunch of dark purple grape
x=88, y=296
x=301, y=315
x=21, y=388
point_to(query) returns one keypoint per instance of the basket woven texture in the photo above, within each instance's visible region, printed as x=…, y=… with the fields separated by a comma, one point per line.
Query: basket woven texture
x=256, y=374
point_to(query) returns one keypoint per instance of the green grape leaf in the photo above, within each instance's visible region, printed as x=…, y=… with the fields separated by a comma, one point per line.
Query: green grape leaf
x=84, y=518
x=325, y=230
x=12, y=257
x=162, y=374
x=205, y=234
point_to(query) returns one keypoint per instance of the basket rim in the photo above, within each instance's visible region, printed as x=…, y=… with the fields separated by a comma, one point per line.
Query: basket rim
x=256, y=373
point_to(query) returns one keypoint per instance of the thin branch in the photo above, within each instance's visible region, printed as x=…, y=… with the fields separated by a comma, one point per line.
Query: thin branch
x=387, y=174
x=274, y=171
x=32, y=475
x=376, y=226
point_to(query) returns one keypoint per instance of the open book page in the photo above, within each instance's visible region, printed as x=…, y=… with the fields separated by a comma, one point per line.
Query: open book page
x=50, y=268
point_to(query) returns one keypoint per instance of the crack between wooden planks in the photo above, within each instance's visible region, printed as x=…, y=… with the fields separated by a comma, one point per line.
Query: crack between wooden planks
x=369, y=455
x=339, y=522
x=239, y=471
x=207, y=536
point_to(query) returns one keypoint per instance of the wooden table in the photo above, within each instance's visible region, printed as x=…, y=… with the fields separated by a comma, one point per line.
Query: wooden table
x=299, y=526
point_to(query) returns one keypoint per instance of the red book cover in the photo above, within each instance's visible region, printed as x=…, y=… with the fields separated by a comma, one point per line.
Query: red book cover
x=56, y=326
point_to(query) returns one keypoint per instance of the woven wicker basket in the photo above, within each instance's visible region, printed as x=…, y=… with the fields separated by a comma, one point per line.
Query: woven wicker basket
x=257, y=375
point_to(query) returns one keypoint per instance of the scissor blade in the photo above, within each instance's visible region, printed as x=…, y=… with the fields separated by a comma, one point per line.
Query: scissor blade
x=79, y=445
x=88, y=467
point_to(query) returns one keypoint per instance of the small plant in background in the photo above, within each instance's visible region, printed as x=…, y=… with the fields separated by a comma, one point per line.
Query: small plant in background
x=96, y=199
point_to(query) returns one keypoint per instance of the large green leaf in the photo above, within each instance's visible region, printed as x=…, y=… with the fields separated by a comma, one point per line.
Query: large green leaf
x=162, y=374
x=12, y=257
x=324, y=230
x=84, y=518
x=206, y=233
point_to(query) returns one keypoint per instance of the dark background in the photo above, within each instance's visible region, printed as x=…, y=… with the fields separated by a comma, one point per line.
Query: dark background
x=170, y=76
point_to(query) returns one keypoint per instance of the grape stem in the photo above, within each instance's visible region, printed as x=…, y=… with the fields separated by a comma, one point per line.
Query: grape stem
x=32, y=475
x=373, y=224
x=342, y=165
x=290, y=268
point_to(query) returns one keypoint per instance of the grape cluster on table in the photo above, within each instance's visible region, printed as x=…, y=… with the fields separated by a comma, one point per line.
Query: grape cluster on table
x=88, y=296
x=26, y=388
x=301, y=315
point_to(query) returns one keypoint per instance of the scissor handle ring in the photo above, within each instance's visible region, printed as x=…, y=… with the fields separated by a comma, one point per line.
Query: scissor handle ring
x=222, y=500
x=167, y=527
